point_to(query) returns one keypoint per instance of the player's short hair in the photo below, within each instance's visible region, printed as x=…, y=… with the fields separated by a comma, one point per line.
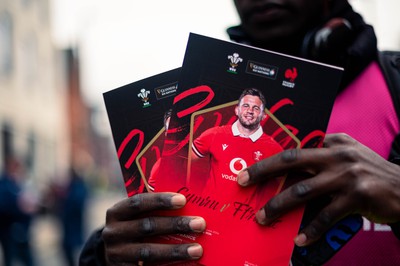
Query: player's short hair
x=253, y=92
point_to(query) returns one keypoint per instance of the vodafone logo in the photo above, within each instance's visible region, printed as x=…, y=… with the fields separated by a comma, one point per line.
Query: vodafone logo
x=237, y=165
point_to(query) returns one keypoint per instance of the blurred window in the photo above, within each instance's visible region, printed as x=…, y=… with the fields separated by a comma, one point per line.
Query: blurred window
x=6, y=44
x=26, y=2
x=30, y=155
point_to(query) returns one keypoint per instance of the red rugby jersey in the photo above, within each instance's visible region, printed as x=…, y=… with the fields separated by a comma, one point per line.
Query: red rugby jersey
x=229, y=153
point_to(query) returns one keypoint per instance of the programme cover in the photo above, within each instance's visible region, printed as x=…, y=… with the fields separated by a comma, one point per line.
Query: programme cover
x=299, y=96
x=136, y=114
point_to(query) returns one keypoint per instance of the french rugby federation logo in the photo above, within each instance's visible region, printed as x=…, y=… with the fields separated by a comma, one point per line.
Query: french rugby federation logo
x=290, y=76
x=234, y=61
x=144, y=96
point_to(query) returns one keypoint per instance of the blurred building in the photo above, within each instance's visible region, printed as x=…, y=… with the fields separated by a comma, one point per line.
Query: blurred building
x=43, y=119
x=32, y=91
x=92, y=152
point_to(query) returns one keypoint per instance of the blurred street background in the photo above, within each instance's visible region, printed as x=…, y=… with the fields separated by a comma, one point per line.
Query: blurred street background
x=58, y=164
x=45, y=230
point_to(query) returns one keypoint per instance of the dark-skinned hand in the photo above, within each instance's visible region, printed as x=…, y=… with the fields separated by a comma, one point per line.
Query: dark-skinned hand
x=131, y=220
x=357, y=180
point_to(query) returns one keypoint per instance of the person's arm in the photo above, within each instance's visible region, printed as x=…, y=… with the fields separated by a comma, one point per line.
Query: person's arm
x=355, y=178
x=132, y=220
x=92, y=253
x=202, y=144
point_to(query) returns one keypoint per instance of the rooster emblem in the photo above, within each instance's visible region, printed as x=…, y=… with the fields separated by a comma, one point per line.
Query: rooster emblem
x=291, y=74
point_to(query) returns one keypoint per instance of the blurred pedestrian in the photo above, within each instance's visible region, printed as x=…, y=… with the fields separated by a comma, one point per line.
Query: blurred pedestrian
x=72, y=213
x=16, y=212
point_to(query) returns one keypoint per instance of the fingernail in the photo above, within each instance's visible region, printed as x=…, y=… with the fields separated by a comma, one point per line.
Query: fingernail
x=243, y=177
x=197, y=224
x=300, y=240
x=261, y=217
x=195, y=251
x=178, y=200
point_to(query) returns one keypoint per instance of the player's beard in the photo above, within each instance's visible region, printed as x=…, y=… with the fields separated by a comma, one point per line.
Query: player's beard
x=250, y=125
